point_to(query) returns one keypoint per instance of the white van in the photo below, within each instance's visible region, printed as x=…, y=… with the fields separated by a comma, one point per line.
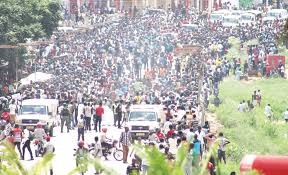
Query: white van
x=274, y=14
x=248, y=19
x=33, y=111
x=143, y=118
x=189, y=27
x=218, y=15
x=230, y=21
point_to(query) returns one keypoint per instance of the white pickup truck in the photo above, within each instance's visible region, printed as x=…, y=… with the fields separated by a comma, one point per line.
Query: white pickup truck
x=34, y=111
x=143, y=118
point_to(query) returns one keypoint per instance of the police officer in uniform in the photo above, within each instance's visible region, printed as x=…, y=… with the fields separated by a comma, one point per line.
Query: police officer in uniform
x=65, y=117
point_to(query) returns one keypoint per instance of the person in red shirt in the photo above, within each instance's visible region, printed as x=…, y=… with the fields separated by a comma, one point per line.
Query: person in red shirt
x=170, y=132
x=99, y=113
x=6, y=115
x=17, y=138
x=160, y=135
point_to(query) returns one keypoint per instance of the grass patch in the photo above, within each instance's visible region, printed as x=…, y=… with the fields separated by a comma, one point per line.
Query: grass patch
x=252, y=133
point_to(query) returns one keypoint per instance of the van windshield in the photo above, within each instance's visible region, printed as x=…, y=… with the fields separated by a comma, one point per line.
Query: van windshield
x=247, y=17
x=33, y=109
x=273, y=14
x=215, y=16
x=142, y=116
x=230, y=20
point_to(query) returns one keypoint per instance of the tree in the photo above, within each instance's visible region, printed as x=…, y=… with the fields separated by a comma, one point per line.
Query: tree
x=27, y=19
x=23, y=20
x=245, y=3
x=284, y=35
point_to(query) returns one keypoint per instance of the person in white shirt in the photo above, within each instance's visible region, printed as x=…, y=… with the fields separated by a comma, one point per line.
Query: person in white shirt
x=286, y=115
x=13, y=110
x=97, y=151
x=241, y=107
x=268, y=111
x=49, y=149
x=166, y=126
x=88, y=116
x=190, y=135
x=80, y=110
x=26, y=143
x=200, y=135
x=80, y=127
x=173, y=144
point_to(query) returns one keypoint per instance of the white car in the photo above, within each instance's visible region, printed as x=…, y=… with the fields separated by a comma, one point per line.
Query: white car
x=218, y=15
x=274, y=14
x=143, y=118
x=248, y=19
x=230, y=21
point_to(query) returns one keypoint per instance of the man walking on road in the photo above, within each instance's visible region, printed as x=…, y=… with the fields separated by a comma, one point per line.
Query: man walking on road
x=27, y=138
x=65, y=118
x=99, y=113
x=125, y=140
x=88, y=115
x=49, y=149
x=17, y=138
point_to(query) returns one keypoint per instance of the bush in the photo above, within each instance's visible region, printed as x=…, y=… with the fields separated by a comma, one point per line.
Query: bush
x=251, y=132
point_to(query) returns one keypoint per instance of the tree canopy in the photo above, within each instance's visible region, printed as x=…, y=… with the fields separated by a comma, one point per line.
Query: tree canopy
x=21, y=20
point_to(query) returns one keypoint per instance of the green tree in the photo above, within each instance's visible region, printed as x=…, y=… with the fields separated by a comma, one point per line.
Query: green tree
x=284, y=35
x=245, y=3
x=23, y=20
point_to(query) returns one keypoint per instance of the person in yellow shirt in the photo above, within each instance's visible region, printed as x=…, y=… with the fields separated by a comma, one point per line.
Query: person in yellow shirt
x=218, y=62
x=137, y=98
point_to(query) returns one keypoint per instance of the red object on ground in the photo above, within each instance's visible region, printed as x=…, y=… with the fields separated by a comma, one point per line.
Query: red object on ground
x=273, y=61
x=265, y=165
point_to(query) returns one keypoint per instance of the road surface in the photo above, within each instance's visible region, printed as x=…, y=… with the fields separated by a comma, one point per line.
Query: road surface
x=64, y=143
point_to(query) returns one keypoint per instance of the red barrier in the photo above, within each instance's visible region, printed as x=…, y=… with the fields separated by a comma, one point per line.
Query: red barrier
x=265, y=165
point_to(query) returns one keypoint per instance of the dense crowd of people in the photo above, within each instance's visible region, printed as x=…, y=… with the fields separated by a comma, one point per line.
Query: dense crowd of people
x=102, y=66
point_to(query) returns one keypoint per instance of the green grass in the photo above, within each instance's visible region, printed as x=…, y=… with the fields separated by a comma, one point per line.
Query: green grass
x=251, y=132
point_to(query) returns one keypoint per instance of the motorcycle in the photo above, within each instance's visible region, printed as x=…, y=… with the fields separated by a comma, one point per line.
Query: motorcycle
x=109, y=148
x=39, y=148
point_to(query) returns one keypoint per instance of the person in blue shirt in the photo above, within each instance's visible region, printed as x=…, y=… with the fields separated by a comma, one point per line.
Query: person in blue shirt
x=196, y=151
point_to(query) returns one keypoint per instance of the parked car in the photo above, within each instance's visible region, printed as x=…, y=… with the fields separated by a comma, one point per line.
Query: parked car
x=230, y=21
x=280, y=14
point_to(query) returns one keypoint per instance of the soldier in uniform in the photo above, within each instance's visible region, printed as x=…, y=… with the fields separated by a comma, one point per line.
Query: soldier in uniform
x=65, y=118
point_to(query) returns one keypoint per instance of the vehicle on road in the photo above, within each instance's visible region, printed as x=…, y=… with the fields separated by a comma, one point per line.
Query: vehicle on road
x=218, y=16
x=280, y=14
x=189, y=27
x=34, y=111
x=143, y=118
x=230, y=21
x=248, y=19
x=39, y=148
x=110, y=149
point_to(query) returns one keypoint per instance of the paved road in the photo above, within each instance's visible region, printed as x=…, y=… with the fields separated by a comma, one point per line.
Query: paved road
x=64, y=143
